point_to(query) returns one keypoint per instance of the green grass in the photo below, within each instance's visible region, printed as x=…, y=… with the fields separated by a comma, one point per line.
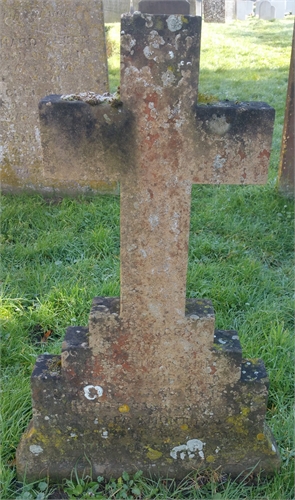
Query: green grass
x=57, y=255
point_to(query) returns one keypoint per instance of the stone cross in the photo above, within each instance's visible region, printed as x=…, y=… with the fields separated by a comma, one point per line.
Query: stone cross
x=150, y=385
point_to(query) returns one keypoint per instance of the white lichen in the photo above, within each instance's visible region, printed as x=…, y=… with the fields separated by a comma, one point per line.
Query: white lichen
x=218, y=162
x=168, y=78
x=93, y=391
x=92, y=98
x=188, y=450
x=36, y=449
x=174, y=23
x=218, y=124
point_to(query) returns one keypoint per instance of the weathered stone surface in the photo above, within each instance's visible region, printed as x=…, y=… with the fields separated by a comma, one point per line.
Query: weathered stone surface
x=113, y=9
x=151, y=385
x=286, y=169
x=164, y=7
x=126, y=424
x=234, y=142
x=78, y=139
x=46, y=47
x=219, y=11
x=214, y=11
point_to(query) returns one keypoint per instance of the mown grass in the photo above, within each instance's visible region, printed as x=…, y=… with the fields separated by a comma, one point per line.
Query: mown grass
x=57, y=255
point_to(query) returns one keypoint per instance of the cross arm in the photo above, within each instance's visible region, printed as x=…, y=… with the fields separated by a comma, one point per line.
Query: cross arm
x=81, y=141
x=232, y=142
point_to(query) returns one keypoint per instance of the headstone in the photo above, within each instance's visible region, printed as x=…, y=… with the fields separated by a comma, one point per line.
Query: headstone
x=219, y=11
x=150, y=385
x=290, y=7
x=198, y=5
x=273, y=9
x=45, y=46
x=286, y=169
x=164, y=6
x=113, y=9
x=244, y=9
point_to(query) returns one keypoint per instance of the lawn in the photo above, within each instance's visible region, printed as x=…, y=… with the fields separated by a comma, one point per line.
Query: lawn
x=58, y=254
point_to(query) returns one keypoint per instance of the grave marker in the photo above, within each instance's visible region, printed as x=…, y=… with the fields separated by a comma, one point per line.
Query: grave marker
x=150, y=385
x=286, y=169
x=57, y=45
x=219, y=11
x=114, y=8
x=265, y=10
x=274, y=9
x=244, y=9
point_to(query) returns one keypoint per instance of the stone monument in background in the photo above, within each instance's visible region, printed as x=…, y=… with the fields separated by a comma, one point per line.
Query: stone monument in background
x=151, y=385
x=46, y=46
x=219, y=11
x=287, y=167
x=113, y=9
x=274, y=9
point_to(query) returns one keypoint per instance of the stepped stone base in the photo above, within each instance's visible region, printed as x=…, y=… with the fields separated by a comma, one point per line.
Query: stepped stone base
x=81, y=417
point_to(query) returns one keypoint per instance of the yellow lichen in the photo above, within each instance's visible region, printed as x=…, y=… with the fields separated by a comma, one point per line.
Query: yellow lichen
x=153, y=454
x=184, y=427
x=239, y=421
x=184, y=19
x=124, y=409
x=210, y=459
x=254, y=361
x=260, y=437
x=206, y=98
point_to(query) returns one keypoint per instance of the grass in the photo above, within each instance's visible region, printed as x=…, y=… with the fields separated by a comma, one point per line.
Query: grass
x=58, y=254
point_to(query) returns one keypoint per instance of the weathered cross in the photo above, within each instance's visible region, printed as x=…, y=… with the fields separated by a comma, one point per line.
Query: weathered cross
x=154, y=382
x=167, y=144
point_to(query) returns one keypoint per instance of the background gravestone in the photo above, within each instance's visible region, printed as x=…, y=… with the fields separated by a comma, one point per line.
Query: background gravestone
x=290, y=7
x=219, y=11
x=265, y=10
x=273, y=9
x=114, y=8
x=286, y=169
x=244, y=8
x=45, y=46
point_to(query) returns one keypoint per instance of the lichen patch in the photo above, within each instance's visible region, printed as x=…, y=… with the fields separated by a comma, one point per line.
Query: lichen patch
x=188, y=450
x=174, y=23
